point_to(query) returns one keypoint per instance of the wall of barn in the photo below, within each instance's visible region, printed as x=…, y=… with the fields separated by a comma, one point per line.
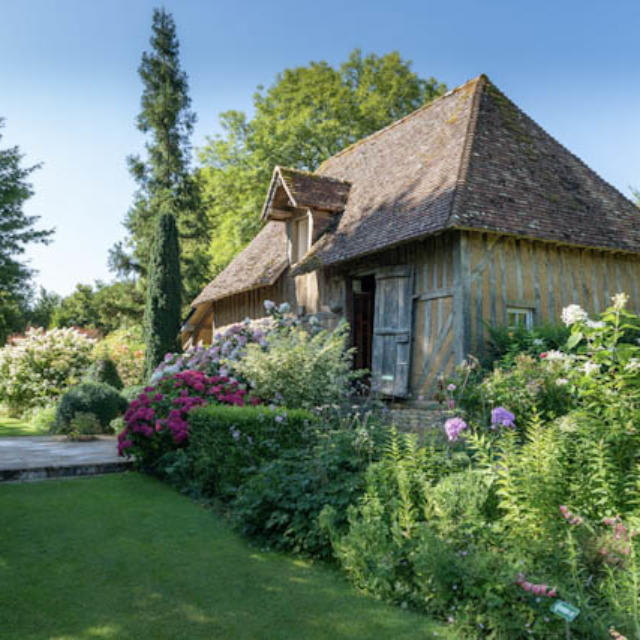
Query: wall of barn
x=436, y=305
x=500, y=272
x=250, y=304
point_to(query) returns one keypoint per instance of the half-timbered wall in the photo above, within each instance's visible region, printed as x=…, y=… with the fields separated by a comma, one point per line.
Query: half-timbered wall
x=250, y=304
x=434, y=349
x=501, y=271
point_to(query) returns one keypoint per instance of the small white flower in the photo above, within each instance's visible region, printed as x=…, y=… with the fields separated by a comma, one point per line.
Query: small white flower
x=619, y=301
x=572, y=314
x=561, y=382
x=590, y=367
x=555, y=355
x=595, y=324
x=538, y=342
x=632, y=365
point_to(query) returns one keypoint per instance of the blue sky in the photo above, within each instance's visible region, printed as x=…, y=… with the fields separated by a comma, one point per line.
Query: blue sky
x=70, y=90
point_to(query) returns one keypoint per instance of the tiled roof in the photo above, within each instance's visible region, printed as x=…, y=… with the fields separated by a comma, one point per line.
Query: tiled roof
x=470, y=159
x=307, y=190
x=259, y=264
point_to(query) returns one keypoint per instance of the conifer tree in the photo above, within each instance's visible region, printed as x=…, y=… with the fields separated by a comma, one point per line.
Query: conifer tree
x=162, y=310
x=163, y=177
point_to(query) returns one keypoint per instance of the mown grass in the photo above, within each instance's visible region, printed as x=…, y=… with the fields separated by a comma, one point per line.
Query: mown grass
x=12, y=427
x=124, y=556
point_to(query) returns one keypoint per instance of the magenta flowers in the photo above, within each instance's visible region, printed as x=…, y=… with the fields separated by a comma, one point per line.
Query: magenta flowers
x=453, y=427
x=159, y=414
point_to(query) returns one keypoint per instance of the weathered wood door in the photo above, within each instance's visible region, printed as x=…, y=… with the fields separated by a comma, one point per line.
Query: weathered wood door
x=390, y=362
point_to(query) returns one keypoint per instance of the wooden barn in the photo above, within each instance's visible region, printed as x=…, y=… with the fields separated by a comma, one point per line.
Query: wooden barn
x=463, y=213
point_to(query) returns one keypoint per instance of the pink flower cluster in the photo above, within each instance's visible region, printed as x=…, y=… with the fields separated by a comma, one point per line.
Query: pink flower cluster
x=620, y=545
x=163, y=408
x=536, y=589
x=570, y=517
x=453, y=427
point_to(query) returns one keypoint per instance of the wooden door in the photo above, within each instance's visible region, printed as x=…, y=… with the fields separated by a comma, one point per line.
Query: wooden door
x=390, y=362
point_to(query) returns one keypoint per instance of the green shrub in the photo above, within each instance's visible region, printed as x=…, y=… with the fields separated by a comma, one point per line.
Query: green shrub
x=532, y=384
x=227, y=444
x=132, y=392
x=44, y=419
x=103, y=369
x=126, y=348
x=505, y=343
x=99, y=399
x=299, y=369
x=83, y=424
x=280, y=504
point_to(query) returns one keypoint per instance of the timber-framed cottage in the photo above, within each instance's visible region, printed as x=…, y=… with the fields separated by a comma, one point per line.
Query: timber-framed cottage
x=463, y=213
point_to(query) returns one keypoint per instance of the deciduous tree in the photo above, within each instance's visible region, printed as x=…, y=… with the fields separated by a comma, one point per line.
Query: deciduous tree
x=17, y=231
x=308, y=114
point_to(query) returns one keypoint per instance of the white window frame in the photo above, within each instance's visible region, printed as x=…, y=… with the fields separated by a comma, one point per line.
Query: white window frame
x=521, y=312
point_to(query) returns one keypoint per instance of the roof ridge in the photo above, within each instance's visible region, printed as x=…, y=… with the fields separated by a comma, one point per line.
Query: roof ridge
x=395, y=123
x=465, y=155
x=311, y=174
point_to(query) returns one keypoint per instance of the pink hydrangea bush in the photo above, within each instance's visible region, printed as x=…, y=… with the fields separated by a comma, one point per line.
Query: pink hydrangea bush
x=156, y=421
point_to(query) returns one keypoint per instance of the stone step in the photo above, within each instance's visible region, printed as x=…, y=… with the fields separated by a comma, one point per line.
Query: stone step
x=43, y=473
x=40, y=457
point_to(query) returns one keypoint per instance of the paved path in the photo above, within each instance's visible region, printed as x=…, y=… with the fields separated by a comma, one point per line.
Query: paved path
x=30, y=458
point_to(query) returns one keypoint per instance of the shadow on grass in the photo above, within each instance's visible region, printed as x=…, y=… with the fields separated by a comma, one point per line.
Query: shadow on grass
x=124, y=556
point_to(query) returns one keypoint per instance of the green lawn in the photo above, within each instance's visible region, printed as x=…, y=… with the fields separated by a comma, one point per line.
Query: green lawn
x=13, y=427
x=124, y=556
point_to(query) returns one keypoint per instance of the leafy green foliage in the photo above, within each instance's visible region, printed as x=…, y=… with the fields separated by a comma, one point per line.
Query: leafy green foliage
x=531, y=384
x=99, y=399
x=307, y=115
x=103, y=307
x=126, y=348
x=162, y=310
x=37, y=368
x=280, y=504
x=103, y=369
x=226, y=444
x=300, y=369
x=17, y=233
x=165, y=182
x=506, y=343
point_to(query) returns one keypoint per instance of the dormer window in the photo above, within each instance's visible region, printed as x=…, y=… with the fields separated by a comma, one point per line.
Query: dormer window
x=300, y=237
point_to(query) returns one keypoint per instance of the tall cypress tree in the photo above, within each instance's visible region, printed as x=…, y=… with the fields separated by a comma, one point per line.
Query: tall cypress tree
x=163, y=177
x=162, y=310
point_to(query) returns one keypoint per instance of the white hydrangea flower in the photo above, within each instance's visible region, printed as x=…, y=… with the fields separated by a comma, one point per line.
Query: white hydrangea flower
x=572, y=314
x=590, y=367
x=620, y=301
x=633, y=365
x=555, y=355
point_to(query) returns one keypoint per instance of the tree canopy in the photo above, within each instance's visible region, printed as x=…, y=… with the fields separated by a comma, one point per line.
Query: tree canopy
x=308, y=114
x=17, y=231
x=164, y=178
x=106, y=307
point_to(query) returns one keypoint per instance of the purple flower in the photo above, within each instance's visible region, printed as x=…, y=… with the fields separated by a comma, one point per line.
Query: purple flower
x=453, y=427
x=279, y=418
x=500, y=417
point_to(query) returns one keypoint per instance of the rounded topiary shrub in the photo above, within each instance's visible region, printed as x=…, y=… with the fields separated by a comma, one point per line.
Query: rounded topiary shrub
x=99, y=399
x=104, y=370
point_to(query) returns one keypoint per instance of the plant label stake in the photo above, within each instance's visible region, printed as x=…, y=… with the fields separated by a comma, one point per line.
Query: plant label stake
x=566, y=611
